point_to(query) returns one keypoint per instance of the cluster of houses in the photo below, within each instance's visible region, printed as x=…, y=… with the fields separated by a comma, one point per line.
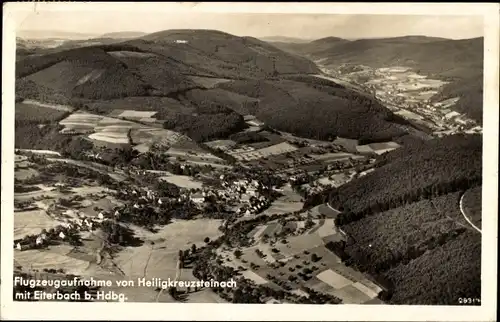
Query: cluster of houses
x=69, y=224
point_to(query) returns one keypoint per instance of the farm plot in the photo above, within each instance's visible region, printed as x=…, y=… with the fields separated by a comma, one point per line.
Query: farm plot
x=380, y=148
x=334, y=279
x=377, y=148
x=23, y=174
x=332, y=156
x=157, y=257
x=409, y=115
x=348, y=144
x=40, y=259
x=208, y=82
x=126, y=53
x=276, y=149
x=351, y=295
x=289, y=202
x=58, y=107
x=183, y=181
x=259, y=280
x=133, y=114
x=221, y=144
x=32, y=222
x=298, y=244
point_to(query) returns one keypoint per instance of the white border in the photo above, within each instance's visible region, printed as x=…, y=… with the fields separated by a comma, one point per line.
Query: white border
x=15, y=12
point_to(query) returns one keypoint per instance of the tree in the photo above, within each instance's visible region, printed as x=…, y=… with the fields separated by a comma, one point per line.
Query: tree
x=193, y=249
x=237, y=253
x=206, y=240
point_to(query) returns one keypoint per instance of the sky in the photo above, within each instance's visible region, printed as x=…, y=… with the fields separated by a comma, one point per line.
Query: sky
x=306, y=26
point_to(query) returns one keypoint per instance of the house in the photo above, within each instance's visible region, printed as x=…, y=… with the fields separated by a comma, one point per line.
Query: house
x=197, y=198
x=181, y=41
x=100, y=216
x=159, y=201
x=62, y=235
x=39, y=240
x=252, y=191
x=18, y=246
x=245, y=198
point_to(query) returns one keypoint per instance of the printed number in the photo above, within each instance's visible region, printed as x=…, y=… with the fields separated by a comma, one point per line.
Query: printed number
x=468, y=300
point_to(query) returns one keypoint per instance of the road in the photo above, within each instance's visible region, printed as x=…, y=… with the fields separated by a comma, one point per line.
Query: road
x=113, y=175
x=465, y=216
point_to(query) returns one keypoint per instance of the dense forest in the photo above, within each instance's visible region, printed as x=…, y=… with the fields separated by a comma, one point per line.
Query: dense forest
x=319, y=111
x=412, y=173
x=441, y=276
x=402, y=234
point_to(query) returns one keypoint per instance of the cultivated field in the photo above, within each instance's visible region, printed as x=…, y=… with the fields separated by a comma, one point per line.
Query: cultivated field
x=183, y=181
x=265, y=152
x=208, y=82
x=325, y=273
x=32, y=222
x=115, y=131
x=289, y=202
x=377, y=148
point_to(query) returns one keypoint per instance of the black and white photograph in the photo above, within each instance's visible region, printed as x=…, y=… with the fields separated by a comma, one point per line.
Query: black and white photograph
x=198, y=156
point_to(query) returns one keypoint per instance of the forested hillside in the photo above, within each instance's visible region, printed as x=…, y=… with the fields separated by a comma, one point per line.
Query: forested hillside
x=319, y=111
x=412, y=173
x=256, y=78
x=458, y=61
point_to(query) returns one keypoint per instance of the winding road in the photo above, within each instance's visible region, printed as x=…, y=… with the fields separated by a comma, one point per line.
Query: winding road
x=465, y=216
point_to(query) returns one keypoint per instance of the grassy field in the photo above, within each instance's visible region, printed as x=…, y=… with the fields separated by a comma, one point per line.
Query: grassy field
x=289, y=202
x=32, y=222
x=208, y=82
x=183, y=181
x=42, y=114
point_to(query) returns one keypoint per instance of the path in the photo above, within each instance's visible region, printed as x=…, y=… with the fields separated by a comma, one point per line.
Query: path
x=465, y=216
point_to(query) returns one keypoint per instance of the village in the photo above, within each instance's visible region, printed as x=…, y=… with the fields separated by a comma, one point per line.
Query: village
x=409, y=95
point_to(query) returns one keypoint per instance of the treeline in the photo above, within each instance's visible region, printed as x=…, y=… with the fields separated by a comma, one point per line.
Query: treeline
x=399, y=235
x=441, y=276
x=206, y=127
x=29, y=135
x=410, y=174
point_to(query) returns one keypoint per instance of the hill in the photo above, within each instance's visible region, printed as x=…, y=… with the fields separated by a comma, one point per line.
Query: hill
x=154, y=69
x=209, y=72
x=309, y=108
x=156, y=64
x=123, y=34
x=411, y=173
x=457, y=61
x=52, y=34
x=285, y=39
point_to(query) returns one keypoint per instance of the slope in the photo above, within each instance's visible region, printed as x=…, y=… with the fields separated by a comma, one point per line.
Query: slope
x=318, y=109
x=457, y=61
x=411, y=173
x=163, y=65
